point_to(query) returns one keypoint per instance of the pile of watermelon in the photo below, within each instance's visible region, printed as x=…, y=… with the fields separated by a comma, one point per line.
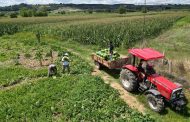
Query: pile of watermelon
x=106, y=55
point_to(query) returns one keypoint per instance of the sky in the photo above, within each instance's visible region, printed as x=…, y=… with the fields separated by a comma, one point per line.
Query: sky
x=12, y=2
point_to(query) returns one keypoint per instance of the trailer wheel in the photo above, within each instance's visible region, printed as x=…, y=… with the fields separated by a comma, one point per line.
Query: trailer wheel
x=156, y=103
x=98, y=65
x=128, y=80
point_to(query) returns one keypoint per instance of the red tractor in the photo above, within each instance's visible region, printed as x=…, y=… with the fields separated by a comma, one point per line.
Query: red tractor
x=158, y=89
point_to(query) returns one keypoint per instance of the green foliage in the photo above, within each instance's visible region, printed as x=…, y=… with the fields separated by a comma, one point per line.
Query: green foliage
x=2, y=14
x=72, y=98
x=39, y=56
x=24, y=12
x=38, y=36
x=90, y=11
x=144, y=10
x=12, y=74
x=16, y=59
x=3, y=56
x=40, y=14
x=122, y=10
x=62, y=12
x=126, y=32
x=14, y=15
x=8, y=28
x=27, y=55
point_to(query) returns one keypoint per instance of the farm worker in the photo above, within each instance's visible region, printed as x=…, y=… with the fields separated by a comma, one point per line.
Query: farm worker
x=147, y=68
x=52, y=70
x=150, y=68
x=142, y=67
x=66, y=62
x=111, y=48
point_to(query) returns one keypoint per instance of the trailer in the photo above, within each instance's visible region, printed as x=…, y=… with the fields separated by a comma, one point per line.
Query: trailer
x=116, y=64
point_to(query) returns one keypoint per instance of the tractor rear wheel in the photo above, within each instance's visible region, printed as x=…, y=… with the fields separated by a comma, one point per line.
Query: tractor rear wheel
x=156, y=103
x=128, y=80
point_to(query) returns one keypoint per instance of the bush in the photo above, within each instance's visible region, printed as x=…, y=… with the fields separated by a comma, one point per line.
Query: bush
x=40, y=14
x=122, y=10
x=2, y=14
x=144, y=10
x=24, y=12
x=14, y=15
x=27, y=55
x=90, y=11
x=62, y=12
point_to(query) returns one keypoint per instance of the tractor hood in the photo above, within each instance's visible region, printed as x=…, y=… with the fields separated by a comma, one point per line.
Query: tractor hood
x=160, y=80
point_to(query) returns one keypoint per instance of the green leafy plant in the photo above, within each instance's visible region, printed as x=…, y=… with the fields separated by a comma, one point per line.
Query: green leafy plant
x=39, y=56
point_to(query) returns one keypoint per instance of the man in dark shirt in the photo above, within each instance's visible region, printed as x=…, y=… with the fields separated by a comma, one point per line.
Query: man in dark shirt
x=111, y=48
x=52, y=70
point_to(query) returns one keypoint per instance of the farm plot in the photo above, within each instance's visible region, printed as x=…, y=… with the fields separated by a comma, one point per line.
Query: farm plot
x=77, y=96
x=19, y=60
x=71, y=98
x=124, y=32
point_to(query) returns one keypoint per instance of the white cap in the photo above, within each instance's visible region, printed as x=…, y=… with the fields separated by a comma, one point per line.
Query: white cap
x=66, y=54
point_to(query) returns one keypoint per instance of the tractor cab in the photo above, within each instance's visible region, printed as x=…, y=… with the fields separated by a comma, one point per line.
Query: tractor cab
x=140, y=75
x=139, y=56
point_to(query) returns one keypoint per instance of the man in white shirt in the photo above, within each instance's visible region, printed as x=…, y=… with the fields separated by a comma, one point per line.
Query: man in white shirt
x=66, y=63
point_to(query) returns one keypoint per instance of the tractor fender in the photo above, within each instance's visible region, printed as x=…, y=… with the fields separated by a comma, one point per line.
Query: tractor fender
x=131, y=68
x=153, y=91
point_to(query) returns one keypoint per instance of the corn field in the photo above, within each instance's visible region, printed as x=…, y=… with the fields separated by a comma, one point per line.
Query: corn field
x=8, y=29
x=123, y=33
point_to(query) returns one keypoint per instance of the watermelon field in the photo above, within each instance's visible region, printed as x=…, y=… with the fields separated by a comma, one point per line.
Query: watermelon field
x=27, y=94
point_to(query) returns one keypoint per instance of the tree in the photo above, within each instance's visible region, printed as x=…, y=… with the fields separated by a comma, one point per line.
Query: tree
x=90, y=11
x=25, y=12
x=144, y=10
x=42, y=11
x=62, y=12
x=122, y=10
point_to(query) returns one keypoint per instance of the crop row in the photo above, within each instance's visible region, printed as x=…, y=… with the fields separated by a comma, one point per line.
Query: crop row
x=124, y=33
x=9, y=29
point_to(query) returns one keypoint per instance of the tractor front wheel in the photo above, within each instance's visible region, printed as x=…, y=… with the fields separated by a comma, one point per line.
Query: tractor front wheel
x=156, y=103
x=128, y=80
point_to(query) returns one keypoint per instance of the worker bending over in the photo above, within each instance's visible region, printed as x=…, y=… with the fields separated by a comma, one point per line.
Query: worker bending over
x=52, y=70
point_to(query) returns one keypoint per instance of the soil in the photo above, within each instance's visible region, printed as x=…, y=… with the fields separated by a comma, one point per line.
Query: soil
x=34, y=63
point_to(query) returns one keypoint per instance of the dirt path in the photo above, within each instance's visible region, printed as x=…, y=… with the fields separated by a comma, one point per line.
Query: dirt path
x=126, y=96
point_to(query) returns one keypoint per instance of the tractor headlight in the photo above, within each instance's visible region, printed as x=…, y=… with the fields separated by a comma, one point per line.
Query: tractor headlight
x=177, y=94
